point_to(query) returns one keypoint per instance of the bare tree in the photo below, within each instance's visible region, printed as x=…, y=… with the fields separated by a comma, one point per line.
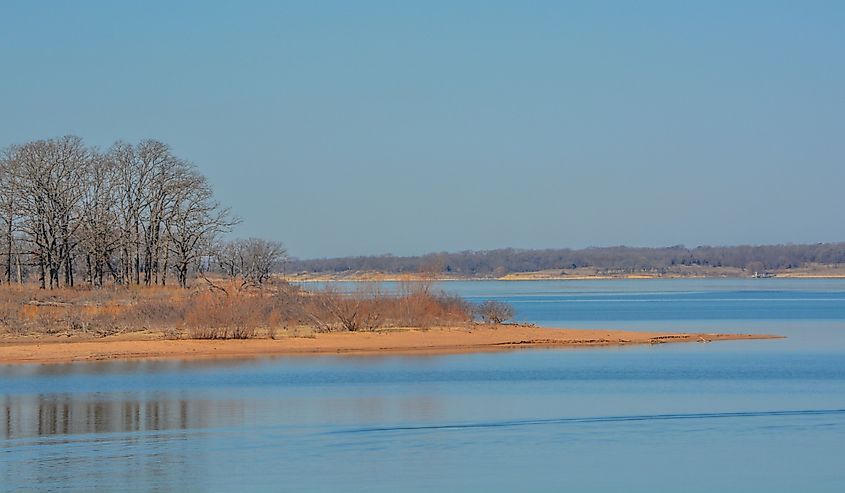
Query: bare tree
x=194, y=223
x=494, y=312
x=8, y=192
x=263, y=258
x=50, y=176
x=252, y=261
x=133, y=213
x=133, y=177
x=171, y=178
x=230, y=257
x=100, y=231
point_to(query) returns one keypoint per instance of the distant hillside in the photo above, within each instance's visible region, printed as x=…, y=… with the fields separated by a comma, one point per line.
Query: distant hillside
x=621, y=259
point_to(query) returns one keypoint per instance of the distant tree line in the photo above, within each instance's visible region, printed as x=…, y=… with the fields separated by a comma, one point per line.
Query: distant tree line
x=621, y=259
x=128, y=215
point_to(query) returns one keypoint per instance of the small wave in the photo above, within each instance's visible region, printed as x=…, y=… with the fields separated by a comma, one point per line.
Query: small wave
x=592, y=419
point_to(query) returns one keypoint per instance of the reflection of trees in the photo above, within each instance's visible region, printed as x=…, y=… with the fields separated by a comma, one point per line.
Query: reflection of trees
x=87, y=442
x=69, y=414
x=176, y=439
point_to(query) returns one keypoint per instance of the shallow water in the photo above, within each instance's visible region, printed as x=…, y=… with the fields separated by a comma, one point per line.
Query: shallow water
x=729, y=416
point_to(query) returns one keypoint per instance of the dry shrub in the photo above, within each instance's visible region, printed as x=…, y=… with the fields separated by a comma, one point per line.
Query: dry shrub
x=418, y=305
x=171, y=333
x=494, y=312
x=28, y=313
x=8, y=313
x=10, y=317
x=226, y=312
x=155, y=313
x=79, y=310
x=427, y=310
x=306, y=332
x=331, y=310
x=49, y=319
x=368, y=308
x=213, y=315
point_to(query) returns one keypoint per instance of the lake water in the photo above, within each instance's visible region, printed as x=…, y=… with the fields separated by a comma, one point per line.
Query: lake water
x=745, y=416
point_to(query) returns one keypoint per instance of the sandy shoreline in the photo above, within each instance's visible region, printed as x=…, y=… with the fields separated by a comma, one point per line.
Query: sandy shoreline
x=439, y=340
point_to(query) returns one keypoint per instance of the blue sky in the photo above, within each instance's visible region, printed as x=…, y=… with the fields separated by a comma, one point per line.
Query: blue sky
x=364, y=127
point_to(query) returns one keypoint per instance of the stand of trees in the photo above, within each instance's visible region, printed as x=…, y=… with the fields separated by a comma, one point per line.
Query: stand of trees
x=251, y=261
x=623, y=259
x=131, y=215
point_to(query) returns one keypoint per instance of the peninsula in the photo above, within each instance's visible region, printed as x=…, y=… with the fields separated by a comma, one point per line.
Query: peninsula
x=474, y=338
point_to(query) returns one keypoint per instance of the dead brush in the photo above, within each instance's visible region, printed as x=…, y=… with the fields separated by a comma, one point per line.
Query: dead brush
x=151, y=313
x=8, y=313
x=369, y=308
x=49, y=320
x=10, y=318
x=213, y=315
x=226, y=313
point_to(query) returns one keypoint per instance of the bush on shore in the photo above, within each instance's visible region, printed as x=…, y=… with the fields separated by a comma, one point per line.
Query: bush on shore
x=225, y=312
x=494, y=312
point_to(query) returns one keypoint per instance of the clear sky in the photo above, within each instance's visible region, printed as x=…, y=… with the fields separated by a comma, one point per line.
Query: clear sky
x=361, y=127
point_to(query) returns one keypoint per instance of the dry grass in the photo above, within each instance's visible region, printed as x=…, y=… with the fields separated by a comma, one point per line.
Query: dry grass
x=28, y=310
x=223, y=312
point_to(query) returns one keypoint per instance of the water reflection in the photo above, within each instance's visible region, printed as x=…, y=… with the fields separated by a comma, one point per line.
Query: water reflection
x=167, y=440
x=126, y=366
x=71, y=414
x=45, y=415
x=457, y=422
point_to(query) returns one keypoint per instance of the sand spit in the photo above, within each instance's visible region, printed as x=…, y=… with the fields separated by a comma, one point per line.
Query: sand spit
x=393, y=341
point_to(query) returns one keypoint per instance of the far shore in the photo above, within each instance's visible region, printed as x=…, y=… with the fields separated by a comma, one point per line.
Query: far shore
x=517, y=277
x=380, y=342
x=545, y=276
x=810, y=271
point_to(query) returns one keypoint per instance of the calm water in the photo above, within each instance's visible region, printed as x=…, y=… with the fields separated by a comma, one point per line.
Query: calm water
x=730, y=416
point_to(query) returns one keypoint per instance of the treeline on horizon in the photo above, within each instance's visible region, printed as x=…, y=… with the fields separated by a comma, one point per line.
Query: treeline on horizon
x=133, y=214
x=610, y=259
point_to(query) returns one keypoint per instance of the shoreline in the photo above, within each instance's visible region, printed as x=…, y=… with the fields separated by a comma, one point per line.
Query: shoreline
x=382, y=342
x=809, y=271
x=317, y=278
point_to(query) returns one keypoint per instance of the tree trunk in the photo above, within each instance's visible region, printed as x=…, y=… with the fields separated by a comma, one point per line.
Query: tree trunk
x=164, y=266
x=137, y=253
x=68, y=271
x=9, y=241
x=138, y=265
x=183, y=274
x=125, y=268
x=42, y=274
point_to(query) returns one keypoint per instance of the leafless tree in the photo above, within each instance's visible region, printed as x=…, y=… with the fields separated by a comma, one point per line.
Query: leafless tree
x=252, y=261
x=132, y=213
x=193, y=223
x=171, y=182
x=133, y=177
x=494, y=312
x=100, y=231
x=50, y=178
x=263, y=258
x=8, y=192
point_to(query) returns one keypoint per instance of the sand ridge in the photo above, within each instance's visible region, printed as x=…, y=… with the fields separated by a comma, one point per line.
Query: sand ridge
x=393, y=341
